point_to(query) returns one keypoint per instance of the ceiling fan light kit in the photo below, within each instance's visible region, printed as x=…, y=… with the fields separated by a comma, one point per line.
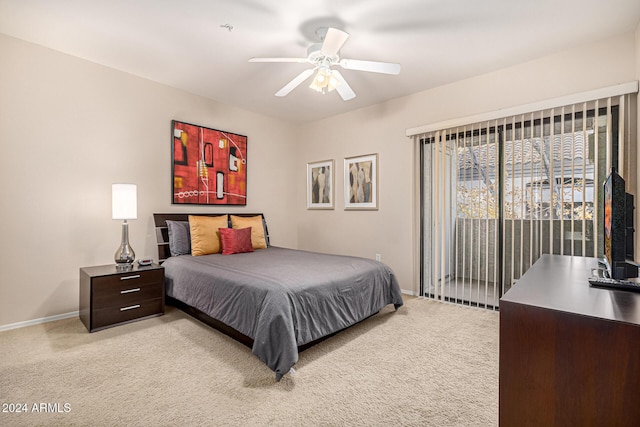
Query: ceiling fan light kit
x=324, y=81
x=324, y=56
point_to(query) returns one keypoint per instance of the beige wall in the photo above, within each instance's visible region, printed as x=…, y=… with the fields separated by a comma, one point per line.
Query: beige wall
x=69, y=129
x=637, y=138
x=391, y=230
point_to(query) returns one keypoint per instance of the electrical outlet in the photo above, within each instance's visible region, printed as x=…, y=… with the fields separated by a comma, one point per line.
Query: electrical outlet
x=378, y=257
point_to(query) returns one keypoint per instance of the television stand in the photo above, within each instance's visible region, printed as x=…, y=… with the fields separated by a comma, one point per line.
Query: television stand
x=569, y=352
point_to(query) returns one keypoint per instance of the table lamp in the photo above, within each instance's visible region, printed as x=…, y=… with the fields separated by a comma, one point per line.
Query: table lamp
x=124, y=206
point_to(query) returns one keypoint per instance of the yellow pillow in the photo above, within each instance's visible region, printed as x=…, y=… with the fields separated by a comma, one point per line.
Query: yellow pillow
x=257, y=230
x=205, y=238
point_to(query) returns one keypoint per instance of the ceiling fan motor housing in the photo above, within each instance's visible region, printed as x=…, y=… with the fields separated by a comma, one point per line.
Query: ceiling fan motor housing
x=315, y=55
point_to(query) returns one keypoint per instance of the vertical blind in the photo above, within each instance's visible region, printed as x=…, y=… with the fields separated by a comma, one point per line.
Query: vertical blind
x=499, y=193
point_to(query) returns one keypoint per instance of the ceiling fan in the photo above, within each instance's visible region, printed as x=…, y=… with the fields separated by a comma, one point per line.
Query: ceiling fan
x=323, y=56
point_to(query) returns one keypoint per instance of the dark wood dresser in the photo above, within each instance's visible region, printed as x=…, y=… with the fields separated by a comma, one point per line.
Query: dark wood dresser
x=110, y=296
x=569, y=353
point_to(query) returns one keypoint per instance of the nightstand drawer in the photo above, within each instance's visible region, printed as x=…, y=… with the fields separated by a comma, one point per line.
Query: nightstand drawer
x=112, y=315
x=125, y=293
x=108, y=286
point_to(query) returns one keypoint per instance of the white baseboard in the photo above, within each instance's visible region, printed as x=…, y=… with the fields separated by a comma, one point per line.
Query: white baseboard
x=39, y=321
x=408, y=292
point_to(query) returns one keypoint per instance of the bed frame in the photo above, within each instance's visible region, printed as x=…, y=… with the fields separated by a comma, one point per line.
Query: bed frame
x=162, y=237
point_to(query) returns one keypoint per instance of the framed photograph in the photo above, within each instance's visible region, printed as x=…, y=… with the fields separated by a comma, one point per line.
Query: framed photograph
x=320, y=183
x=208, y=166
x=361, y=182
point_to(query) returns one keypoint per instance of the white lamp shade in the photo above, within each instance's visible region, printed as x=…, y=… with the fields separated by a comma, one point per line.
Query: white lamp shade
x=124, y=201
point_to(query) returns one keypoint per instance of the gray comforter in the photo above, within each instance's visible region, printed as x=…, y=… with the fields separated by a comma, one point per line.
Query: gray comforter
x=282, y=298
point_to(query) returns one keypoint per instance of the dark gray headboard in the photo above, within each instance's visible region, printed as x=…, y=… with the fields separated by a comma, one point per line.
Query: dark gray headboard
x=162, y=232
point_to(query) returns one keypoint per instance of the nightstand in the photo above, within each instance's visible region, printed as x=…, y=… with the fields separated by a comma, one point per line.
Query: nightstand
x=110, y=296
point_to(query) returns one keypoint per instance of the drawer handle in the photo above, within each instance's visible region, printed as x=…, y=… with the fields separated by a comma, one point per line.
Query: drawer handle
x=137, y=276
x=128, y=291
x=131, y=307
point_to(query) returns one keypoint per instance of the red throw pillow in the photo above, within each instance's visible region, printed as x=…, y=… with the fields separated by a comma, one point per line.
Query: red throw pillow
x=235, y=240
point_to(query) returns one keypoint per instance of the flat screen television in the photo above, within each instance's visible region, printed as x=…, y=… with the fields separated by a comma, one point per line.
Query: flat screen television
x=618, y=229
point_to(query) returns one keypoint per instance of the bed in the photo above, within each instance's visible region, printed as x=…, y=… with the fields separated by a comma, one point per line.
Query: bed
x=277, y=301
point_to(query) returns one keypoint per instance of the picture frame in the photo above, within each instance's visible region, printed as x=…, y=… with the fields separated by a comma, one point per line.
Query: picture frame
x=320, y=185
x=208, y=166
x=361, y=182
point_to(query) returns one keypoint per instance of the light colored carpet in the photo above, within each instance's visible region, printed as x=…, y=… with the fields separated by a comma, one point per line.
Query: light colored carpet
x=429, y=364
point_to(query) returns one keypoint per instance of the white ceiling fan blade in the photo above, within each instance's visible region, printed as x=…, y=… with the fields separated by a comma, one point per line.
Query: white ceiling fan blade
x=372, y=66
x=295, y=82
x=343, y=88
x=299, y=60
x=333, y=41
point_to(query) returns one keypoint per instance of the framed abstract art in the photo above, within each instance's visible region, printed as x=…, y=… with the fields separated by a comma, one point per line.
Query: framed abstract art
x=361, y=182
x=209, y=166
x=320, y=184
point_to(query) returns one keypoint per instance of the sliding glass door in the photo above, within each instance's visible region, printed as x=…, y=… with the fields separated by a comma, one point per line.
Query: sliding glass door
x=553, y=168
x=461, y=202
x=498, y=195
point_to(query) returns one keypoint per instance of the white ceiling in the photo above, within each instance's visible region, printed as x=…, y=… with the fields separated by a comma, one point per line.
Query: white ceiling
x=182, y=43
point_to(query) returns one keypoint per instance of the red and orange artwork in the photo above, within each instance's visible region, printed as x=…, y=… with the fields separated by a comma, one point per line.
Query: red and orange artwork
x=209, y=166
